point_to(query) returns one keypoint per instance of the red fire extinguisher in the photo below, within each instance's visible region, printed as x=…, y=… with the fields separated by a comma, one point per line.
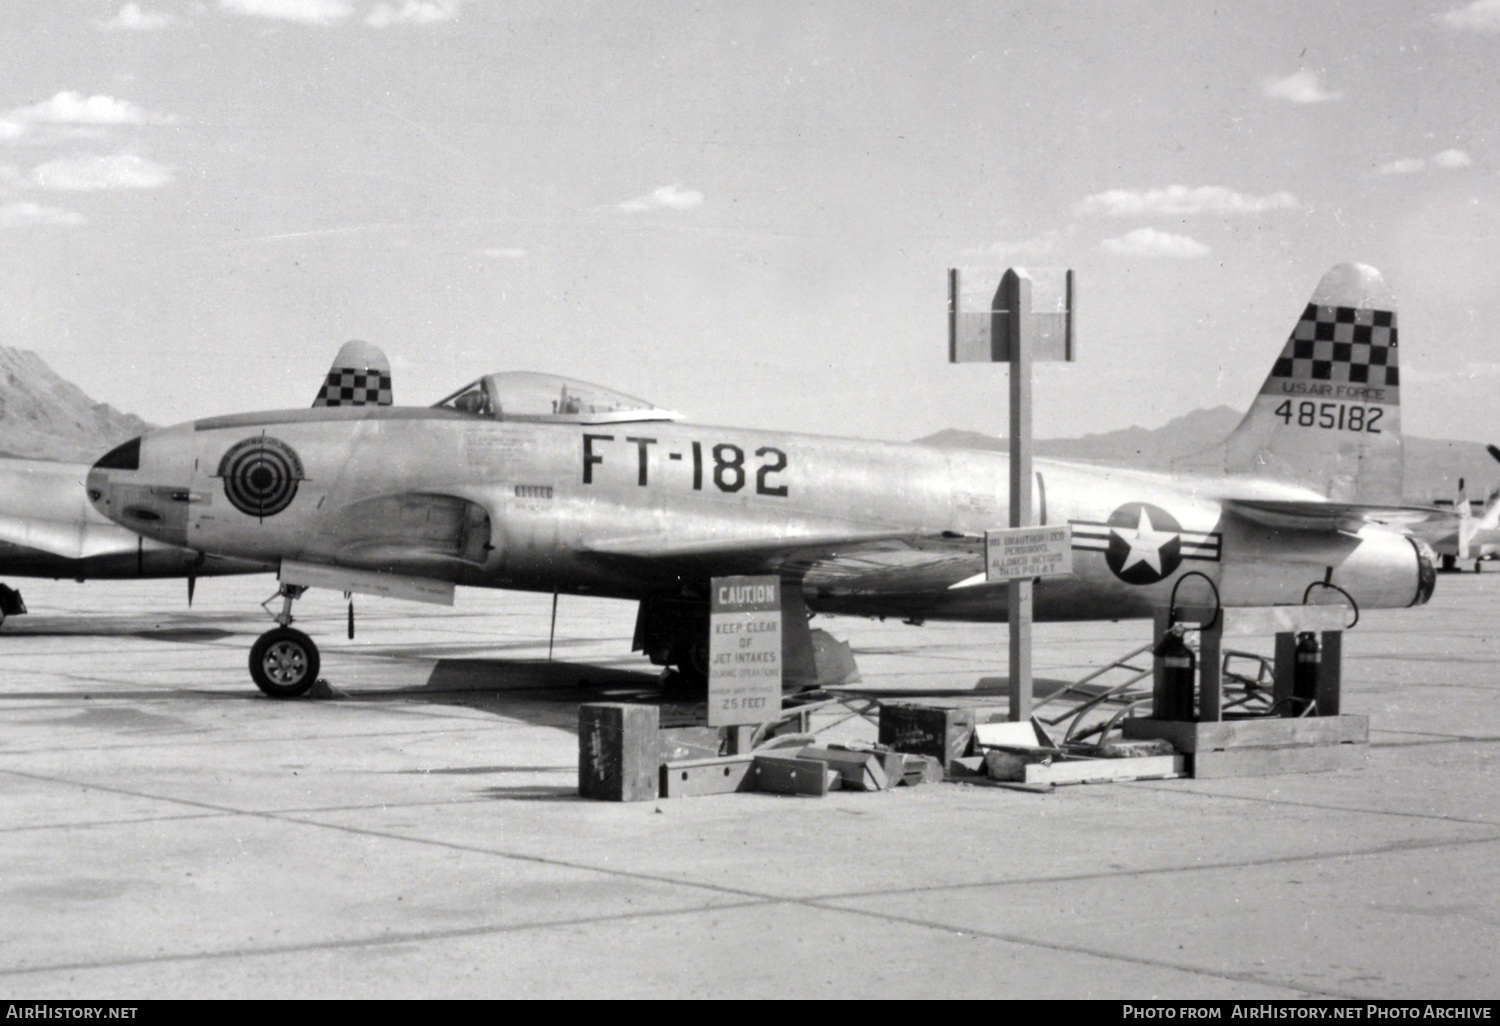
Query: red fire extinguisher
x=1179, y=676
x=1305, y=673
x=1307, y=663
x=1176, y=696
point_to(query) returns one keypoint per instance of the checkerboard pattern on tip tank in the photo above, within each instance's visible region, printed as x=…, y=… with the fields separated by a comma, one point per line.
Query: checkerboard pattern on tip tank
x=351, y=387
x=1342, y=344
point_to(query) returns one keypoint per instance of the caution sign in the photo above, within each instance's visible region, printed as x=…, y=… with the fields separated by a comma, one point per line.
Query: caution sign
x=1018, y=552
x=744, y=650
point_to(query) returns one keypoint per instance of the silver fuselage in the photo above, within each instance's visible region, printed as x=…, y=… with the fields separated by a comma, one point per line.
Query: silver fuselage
x=632, y=509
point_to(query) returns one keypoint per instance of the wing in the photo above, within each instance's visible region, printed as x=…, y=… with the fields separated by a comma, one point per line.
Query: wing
x=904, y=561
x=81, y=540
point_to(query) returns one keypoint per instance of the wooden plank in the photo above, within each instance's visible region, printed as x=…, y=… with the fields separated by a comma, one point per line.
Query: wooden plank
x=693, y=777
x=964, y=766
x=1083, y=771
x=1264, y=762
x=894, y=764
x=618, y=748
x=1022, y=734
x=858, y=771
x=1267, y=732
x=1330, y=673
x=782, y=774
x=920, y=769
x=679, y=744
x=939, y=731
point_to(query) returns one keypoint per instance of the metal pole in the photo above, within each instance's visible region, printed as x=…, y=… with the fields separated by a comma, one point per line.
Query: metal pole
x=552, y=631
x=1015, y=291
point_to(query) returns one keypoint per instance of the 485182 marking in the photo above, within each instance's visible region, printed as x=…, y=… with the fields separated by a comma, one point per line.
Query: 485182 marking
x=1332, y=416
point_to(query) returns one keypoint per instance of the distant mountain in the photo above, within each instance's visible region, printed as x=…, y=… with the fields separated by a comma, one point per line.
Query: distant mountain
x=45, y=416
x=1130, y=447
x=1433, y=466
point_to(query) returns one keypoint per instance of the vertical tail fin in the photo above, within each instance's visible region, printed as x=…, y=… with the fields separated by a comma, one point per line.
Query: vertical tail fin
x=1328, y=417
x=1466, y=524
x=360, y=376
x=1489, y=517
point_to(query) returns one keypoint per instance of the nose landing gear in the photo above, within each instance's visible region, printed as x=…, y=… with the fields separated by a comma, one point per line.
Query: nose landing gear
x=284, y=662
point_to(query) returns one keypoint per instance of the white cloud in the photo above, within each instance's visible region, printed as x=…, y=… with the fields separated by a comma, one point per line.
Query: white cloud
x=1449, y=159
x=87, y=174
x=1299, y=87
x=672, y=197
x=1151, y=242
x=11, y=129
x=132, y=18
x=412, y=12
x=69, y=108
x=308, y=12
x=1046, y=242
x=15, y=214
x=1481, y=15
x=503, y=252
x=1404, y=166
x=1180, y=200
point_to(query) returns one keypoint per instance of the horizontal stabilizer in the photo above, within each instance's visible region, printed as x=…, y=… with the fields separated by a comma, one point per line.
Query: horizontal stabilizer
x=1331, y=516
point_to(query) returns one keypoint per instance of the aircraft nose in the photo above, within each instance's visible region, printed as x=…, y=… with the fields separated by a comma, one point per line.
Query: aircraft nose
x=146, y=493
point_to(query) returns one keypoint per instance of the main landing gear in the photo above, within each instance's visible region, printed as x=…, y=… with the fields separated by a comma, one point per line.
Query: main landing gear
x=284, y=662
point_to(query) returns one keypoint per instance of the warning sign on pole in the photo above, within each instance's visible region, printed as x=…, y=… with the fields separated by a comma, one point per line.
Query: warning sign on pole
x=744, y=650
x=1017, y=552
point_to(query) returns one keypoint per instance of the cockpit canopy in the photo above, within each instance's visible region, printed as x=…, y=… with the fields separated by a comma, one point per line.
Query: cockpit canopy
x=522, y=395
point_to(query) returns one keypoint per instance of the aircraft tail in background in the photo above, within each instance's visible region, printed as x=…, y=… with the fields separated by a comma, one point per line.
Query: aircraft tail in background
x=1328, y=416
x=360, y=376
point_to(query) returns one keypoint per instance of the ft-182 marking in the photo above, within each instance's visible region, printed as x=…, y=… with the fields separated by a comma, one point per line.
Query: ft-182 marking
x=1332, y=416
x=729, y=473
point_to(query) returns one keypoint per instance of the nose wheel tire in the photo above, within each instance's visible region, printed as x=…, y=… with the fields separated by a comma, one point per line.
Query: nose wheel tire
x=284, y=663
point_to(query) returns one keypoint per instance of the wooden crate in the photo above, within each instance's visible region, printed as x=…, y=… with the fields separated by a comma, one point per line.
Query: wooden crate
x=618, y=751
x=942, y=732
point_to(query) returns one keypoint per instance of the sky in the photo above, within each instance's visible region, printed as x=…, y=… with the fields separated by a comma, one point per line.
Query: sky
x=742, y=211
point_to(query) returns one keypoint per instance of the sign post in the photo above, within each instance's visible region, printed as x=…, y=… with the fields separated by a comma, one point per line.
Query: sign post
x=1016, y=333
x=744, y=650
x=1015, y=295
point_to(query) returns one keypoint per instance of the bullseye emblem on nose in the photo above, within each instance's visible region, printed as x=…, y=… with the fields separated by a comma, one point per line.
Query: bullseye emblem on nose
x=260, y=476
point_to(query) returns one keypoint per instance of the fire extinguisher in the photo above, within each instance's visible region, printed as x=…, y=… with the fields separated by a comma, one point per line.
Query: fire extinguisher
x=1179, y=676
x=1175, y=699
x=1307, y=659
x=1305, y=673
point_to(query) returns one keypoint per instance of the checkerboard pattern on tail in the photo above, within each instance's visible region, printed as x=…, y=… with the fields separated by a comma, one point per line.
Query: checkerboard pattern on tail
x=1342, y=344
x=1328, y=416
x=360, y=375
x=355, y=386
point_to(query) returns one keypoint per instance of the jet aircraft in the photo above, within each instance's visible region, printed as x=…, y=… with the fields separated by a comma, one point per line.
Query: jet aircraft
x=542, y=483
x=48, y=527
x=1464, y=537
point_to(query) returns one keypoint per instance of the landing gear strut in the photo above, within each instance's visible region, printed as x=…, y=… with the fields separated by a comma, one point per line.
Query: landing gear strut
x=284, y=662
x=687, y=672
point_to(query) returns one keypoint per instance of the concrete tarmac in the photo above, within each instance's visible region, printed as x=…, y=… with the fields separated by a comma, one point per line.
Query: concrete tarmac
x=168, y=832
